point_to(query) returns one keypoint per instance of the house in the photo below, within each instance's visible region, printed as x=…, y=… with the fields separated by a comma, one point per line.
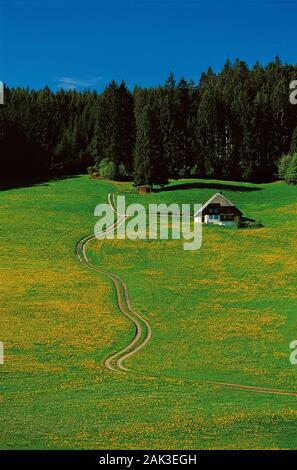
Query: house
x=218, y=210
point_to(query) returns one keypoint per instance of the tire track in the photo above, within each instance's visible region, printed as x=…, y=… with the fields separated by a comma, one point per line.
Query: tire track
x=143, y=333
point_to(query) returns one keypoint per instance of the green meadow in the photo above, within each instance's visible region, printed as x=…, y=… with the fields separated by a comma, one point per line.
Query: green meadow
x=226, y=312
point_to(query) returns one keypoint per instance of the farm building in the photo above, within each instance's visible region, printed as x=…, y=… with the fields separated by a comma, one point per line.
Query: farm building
x=218, y=210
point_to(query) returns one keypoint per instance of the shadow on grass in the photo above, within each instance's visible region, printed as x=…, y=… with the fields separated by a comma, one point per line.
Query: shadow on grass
x=202, y=185
x=20, y=183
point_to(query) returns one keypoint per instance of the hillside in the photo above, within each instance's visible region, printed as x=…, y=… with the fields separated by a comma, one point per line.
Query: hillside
x=223, y=313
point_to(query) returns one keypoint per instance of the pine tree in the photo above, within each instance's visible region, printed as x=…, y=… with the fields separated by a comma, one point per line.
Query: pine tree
x=142, y=163
x=234, y=124
x=283, y=166
x=291, y=175
x=293, y=146
x=150, y=165
x=207, y=132
x=116, y=125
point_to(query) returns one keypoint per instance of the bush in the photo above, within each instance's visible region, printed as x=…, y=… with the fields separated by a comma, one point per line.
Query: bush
x=122, y=172
x=247, y=223
x=194, y=171
x=291, y=175
x=184, y=172
x=238, y=222
x=287, y=168
x=107, y=169
x=283, y=166
x=256, y=224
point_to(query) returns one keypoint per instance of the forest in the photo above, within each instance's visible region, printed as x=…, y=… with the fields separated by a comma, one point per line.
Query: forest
x=235, y=124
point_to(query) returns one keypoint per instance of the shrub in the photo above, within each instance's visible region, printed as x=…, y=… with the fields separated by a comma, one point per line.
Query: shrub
x=287, y=168
x=246, y=223
x=238, y=222
x=107, y=169
x=194, y=171
x=122, y=172
x=255, y=224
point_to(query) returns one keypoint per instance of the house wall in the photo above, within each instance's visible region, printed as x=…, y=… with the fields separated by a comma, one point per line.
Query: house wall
x=215, y=222
x=210, y=219
x=228, y=223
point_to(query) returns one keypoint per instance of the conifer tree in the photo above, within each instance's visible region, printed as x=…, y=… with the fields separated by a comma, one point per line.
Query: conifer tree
x=291, y=174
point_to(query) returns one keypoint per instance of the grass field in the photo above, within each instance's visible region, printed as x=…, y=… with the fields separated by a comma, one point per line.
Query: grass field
x=226, y=312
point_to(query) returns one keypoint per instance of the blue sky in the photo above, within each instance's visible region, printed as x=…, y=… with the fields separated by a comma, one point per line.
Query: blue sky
x=86, y=44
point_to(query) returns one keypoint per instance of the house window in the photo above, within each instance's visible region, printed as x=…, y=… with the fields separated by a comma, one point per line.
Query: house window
x=228, y=217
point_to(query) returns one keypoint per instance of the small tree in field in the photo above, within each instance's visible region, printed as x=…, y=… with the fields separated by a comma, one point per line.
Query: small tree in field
x=107, y=169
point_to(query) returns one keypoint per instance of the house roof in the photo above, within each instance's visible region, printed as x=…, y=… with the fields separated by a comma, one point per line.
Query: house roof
x=218, y=198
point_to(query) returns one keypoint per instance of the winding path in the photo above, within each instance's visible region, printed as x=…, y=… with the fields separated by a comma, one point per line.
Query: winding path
x=143, y=332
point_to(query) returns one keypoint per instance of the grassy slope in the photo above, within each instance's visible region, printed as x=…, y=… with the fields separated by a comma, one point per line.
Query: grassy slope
x=225, y=312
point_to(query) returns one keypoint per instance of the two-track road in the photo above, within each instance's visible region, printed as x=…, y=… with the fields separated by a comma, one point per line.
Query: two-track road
x=143, y=333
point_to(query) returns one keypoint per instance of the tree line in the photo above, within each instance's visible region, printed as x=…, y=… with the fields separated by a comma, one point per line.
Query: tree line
x=234, y=124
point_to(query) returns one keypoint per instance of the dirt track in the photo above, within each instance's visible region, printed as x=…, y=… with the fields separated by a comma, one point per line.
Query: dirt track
x=143, y=333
